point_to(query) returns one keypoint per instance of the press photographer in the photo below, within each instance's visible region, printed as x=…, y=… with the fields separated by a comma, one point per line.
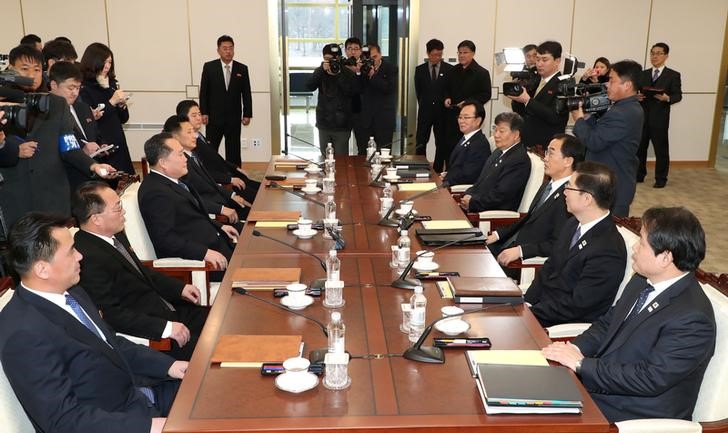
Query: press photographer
x=36, y=179
x=537, y=101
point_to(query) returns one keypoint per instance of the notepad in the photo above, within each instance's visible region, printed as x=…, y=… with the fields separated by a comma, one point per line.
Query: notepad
x=265, y=278
x=249, y=351
x=272, y=215
x=508, y=357
x=274, y=224
x=446, y=224
x=417, y=186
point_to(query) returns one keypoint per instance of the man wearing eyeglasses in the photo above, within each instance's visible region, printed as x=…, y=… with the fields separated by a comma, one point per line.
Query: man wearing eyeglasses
x=661, y=87
x=580, y=279
x=473, y=149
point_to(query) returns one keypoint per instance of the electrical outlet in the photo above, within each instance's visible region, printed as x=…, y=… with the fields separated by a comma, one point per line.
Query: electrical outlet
x=243, y=143
x=257, y=142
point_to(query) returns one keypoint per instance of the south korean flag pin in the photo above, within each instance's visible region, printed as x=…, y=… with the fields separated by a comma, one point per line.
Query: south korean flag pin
x=582, y=244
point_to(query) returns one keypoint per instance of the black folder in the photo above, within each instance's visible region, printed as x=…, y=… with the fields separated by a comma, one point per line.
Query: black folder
x=528, y=385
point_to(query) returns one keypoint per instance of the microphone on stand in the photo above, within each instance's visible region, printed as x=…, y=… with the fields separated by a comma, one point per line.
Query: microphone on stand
x=299, y=195
x=318, y=164
x=318, y=283
x=405, y=283
x=435, y=355
x=305, y=142
x=242, y=291
x=385, y=221
x=376, y=182
x=339, y=242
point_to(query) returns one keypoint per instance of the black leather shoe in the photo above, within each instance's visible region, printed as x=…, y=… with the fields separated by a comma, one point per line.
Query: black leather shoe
x=659, y=184
x=640, y=179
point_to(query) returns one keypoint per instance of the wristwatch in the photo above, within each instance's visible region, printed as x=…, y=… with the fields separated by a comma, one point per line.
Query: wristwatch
x=577, y=367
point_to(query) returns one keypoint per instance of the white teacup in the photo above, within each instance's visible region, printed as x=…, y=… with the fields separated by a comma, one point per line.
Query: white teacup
x=425, y=257
x=296, y=365
x=406, y=206
x=313, y=167
x=451, y=310
x=296, y=292
x=305, y=225
x=385, y=152
x=311, y=183
x=391, y=172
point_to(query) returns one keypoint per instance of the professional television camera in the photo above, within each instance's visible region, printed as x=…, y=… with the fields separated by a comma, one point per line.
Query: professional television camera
x=526, y=79
x=591, y=96
x=20, y=117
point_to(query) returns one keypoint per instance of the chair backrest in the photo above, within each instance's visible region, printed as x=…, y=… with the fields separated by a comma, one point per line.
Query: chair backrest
x=136, y=231
x=711, y=404
x=12, y=414
x=535, y=180
x=630, y=239
x=297, y=81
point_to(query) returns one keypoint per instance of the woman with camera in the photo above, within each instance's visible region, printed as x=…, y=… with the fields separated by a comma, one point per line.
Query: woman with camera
x=100, y=89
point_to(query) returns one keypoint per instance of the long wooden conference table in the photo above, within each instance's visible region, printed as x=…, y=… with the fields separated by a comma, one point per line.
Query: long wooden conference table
x=386, y=392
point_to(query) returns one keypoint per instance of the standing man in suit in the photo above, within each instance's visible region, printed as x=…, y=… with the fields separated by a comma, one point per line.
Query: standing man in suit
x=225, y=99
x=472, y=151
x=504, y=176
x=67, y=367
x=173, y=212
x=378, y=101
x=134, y=299
x=466, y=80
x=538, y=106
x=429, y=90
x=613, y=138
x=535, y=234
x=580, y=279
x=657, y=113
x=646, y=357
x=222, y=171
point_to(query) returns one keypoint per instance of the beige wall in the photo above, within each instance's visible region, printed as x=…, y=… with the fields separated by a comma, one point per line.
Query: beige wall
x=616, y=29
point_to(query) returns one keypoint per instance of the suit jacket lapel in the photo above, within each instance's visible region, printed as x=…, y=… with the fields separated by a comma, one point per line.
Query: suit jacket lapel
x=113, y=252
x=584, y=241
x=551, y=201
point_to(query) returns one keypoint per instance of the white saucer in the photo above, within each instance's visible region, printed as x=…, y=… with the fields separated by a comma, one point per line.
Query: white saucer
x=395, y=177
x=312, y=170
x=286, y=301
x=401, y=212
x=304, y=235
x=296, y=382
x=425, y=267
x=311, y=191
x=452, y=327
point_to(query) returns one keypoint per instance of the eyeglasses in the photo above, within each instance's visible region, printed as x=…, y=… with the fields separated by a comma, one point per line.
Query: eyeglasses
x=567, y=186
x=657, y=53
x=466, y=117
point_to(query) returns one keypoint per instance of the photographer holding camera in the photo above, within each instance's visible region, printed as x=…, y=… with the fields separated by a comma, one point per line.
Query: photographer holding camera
x=35, y=179
x=537, y=105
x=613, y=138
x=335, y=84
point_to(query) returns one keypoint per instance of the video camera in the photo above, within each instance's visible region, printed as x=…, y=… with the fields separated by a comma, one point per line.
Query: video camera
x=526, y=79
x=338, y=62
x=592, y=97
x=20, y=117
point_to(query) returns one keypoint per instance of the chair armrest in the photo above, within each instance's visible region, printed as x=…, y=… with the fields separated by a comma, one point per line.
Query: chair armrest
x=133, y=339
x=658, y=425
x=499, y=214
x=177, y=262
x=459, y=189
x=161, y=345
x=567, y=330
x=534, y=262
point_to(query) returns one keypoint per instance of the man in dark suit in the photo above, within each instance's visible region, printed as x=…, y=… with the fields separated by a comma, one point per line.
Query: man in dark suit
x=537, y=106
x=35, y=178
x=504, y=176
x=535, y=234
x=222, y=171
x=217, y=200
x=466, y=80
x=69, y=370
x=378, y=102
x=579, y=281
x=174, y=214
x=613, y=139
x=429, y=79
x=657, y=112
x=472, y=151
x=646, y=357
x=224, y=85
x=134, y=299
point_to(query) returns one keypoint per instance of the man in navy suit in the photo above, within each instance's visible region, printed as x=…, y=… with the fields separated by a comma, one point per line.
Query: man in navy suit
x=225, y=99
x=613, y=139
x=429, y=80
x=504, y=176
x=646, y=357
x=537, y=105
x=666, y=90
x=470, y=153
x=579, y=281
x=69, y=370
x=535, y=234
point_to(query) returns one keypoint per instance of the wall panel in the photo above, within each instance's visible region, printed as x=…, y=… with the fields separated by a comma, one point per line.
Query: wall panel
x=11, y=29
x=50, y=19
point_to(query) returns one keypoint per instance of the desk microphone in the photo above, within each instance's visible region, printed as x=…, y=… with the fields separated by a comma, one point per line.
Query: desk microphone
x=304, y=142
x=319, y=283
x=242, y=291
x=368, y=162
x=404, y=283
x=376, y=182
x=317, y=164
x=299, y=195
x=339, y=242
x=435, y=355
x=385, y=221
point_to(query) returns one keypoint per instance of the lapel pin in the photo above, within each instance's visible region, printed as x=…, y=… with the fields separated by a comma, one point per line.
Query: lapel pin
x=556, y=195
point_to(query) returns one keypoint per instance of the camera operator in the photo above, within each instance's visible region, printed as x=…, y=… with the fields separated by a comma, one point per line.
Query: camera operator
x=613, y=139
x=335, y=85
x=352, y=48
x=378, y=100
x=537, y=105
x=36, y=179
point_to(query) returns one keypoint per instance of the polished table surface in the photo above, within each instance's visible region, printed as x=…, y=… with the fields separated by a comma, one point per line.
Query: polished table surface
x=386, y=392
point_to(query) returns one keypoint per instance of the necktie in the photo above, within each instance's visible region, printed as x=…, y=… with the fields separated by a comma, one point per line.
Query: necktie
x=434, y=72
x=148, y=393
x=123, y=251
x=541, y=85
x=78, y=311
x=78, y=122
x=575, y=238
x=461, y=142
x=655, y=75
x=640, y=303
x=227, y=76
x=544, y=196
x=183, y=186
